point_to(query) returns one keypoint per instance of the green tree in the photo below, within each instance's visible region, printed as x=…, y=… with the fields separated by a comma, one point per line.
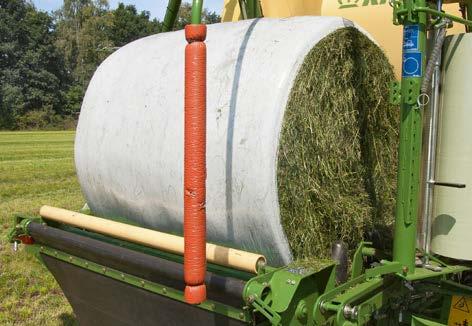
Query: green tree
x=128, y=25
x=83, y=40
x=47, y=62
x=32, y=73
x=185, y=15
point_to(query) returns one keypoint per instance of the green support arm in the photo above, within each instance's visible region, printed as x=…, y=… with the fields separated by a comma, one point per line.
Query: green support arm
x=410, y=141
x=197, y=7
x=171, y=15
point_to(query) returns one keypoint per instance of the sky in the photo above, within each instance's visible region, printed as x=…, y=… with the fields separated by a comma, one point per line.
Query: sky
x=156, y=7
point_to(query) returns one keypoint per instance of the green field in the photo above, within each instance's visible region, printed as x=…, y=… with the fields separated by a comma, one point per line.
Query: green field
x=36, y=168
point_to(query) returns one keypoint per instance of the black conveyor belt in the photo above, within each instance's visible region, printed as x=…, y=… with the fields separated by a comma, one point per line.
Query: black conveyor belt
x=226, y=290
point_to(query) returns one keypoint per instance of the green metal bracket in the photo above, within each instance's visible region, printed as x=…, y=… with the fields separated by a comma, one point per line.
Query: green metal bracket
x=285, y=296
x=371, y=308
x=262, y=307
x=385, y=267
x=357, y=266
x=333, y=304
x=213, y=306
x=423, y=273
x=408, y=11
x=395, y=93
x=20, y=227
x=410, y=91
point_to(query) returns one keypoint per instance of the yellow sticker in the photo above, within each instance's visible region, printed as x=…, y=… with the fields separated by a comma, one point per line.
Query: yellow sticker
x=460, y=313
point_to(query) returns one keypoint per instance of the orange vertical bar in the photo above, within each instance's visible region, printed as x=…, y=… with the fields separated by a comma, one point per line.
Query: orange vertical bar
x=195, y=164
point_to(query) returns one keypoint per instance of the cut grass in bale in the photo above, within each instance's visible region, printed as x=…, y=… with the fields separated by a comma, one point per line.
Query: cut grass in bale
x=337, y=158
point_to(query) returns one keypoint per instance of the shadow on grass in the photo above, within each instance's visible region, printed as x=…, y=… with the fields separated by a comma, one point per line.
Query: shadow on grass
x=68, y=319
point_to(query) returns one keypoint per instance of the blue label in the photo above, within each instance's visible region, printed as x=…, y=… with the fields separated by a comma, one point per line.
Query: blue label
x=412, y=64
x=411, y=35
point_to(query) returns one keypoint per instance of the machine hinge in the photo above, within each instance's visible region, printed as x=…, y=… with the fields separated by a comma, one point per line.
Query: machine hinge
x=262, y=307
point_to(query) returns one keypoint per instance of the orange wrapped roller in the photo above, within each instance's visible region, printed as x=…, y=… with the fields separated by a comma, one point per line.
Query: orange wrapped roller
x=195, y=164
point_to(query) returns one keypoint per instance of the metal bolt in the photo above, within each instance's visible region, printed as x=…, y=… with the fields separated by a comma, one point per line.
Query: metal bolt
x=55, y=253
x=409, y=286
x=379, y=316
x=350, y=312
x=264, y=284
x=122, y=276
x=241, y=315
x=104, y=270
x=86, y=264
x=321, y=307
x=164, y=290
x=405, y=269
x=70, y=258
x=251, y=298
x=301, y=311
x=42, y=248
x=212, y=306
x=142, y=283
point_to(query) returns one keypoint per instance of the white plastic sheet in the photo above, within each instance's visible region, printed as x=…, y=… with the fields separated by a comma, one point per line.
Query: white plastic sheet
x=129, y=145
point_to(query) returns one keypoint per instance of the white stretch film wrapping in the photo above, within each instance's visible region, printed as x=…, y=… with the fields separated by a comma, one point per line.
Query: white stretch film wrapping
x=129, y=144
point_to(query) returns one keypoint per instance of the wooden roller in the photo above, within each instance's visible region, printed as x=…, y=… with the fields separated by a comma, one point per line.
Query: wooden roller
x=233, y=258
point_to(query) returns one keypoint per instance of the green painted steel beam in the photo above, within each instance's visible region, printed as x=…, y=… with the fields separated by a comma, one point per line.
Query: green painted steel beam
x=411, y=126
x=212, y=306
x=468, y=11
x=423, y=273
x=250, y=9
x=171, y=15
x=253, y=9
x=197, y=7
x=257, y=9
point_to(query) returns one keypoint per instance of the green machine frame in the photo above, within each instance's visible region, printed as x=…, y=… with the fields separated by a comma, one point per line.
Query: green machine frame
x=383, y=288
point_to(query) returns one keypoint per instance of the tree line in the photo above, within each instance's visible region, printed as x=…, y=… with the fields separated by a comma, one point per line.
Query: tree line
x=47, y=59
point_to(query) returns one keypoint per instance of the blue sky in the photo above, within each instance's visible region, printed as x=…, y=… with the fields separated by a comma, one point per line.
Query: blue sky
x=156, y=7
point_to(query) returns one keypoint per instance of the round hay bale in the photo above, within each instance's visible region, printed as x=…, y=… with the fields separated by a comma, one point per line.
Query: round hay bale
x=301, y=141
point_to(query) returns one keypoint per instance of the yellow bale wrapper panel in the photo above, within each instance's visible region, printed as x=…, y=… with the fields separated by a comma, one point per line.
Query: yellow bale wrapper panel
x=375, y=16
x=274, y=9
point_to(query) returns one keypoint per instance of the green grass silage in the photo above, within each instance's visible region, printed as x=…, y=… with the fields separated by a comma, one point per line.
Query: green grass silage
x=36, y=168
x=338, y=147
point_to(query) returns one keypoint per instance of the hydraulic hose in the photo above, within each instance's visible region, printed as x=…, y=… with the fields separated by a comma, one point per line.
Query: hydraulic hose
x=435, y=55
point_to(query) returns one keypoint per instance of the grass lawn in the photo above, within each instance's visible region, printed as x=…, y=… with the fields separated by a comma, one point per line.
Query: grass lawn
x=36, y=168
